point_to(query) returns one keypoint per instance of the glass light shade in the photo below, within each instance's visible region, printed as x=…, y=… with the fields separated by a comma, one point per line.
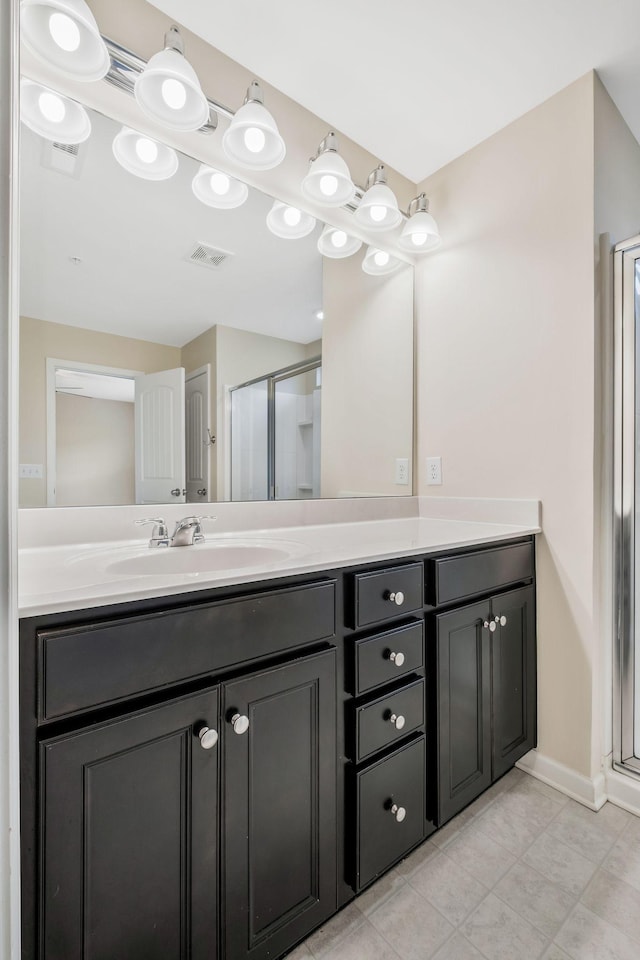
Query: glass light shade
x=51, y=115
x=379, y=263
x=144, y=157
x=289, y=222
x=218, y=189
x=336, y=243
x=252, y=138
x=64, y=34
x=169, y=91
x=419, y=234
x=328, y=181
x=378, y=209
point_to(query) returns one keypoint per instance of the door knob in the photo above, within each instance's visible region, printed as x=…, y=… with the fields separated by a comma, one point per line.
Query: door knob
x=399, y=813
x=490, y=625
x=396, y=658
x=501, y=620
x=397, y=598
x=177, y=492
x=398, y=721
x=202, y=492
x=239, y=722
x=207, y=736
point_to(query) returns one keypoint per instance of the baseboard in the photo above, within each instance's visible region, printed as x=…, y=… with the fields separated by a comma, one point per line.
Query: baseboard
x=623, y=790
x=591, y=793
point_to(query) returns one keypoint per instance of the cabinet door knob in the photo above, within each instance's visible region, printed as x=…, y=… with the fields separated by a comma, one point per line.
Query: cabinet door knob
x=398, y=812
x=240, y=723
x=397, y=598
x=397, y=720
x=501, y=620
x=396, y=658
x=490, y=625
x=208, y=737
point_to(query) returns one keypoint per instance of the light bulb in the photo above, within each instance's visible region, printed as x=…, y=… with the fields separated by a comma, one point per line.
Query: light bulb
x=64, y=32
x=328, y=185
x=174, y=93
x=146, y=150
x=220, y=184
x=418, y=239
x=320, y=315
x=292, y=216
x=338, y=238
x=52, y=107
x=254, y=139
x=377, y=213
x=381, y=258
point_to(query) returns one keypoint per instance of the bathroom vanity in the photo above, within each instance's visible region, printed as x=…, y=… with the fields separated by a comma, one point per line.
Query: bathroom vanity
x=216, y=772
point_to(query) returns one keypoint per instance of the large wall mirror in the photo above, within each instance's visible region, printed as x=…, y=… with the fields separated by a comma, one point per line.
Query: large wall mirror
x=170, y=351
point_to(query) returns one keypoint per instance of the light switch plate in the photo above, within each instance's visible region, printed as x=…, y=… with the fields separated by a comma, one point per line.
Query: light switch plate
x=434, y=470
x=30, y=471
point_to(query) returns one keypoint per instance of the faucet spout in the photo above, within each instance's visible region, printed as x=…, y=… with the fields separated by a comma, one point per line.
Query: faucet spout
x=188, y=531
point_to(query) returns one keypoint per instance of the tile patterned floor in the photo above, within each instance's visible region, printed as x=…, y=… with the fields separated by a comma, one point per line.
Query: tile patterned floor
x=522, y=874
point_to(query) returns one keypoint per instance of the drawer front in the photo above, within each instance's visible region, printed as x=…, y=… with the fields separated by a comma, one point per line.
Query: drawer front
x=377, y=594
x=383, y=838
x=87, y=666
x=387, y=656
x=389, y=718
x=457, y=578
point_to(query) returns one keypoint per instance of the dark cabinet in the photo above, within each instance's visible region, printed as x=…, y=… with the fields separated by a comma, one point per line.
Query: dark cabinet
x=279, y=806
x=129, y=837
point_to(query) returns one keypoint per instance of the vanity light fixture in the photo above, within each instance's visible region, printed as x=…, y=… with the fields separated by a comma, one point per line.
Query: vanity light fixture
x=64, y=34
x=420, y=233
x=51, y=115
x=218, y=189
x=328, y=181
x=379, y=263
x=144, y=157
x=289, y=222
x=378, y=208
x=252, y=138
x=168, y=89
x=336, y=243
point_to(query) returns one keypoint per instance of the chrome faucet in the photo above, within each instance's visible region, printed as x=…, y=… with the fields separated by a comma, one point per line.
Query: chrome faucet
x=187, y=532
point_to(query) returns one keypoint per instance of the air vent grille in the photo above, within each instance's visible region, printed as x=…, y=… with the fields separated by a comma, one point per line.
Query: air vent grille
x=71, y=148
x=64, y=158
x=207, y=256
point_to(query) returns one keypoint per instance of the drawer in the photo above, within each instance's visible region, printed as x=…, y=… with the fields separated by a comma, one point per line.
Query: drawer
x=383, y=835
x=384, y=594
x=387, y=656
x=380, y=722
x=87, y=666
x=460, y=577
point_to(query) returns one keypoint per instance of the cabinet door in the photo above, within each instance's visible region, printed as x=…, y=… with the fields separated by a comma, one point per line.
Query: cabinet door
x=128, y=845
x=464, y=707
x=279, y=798
x=514, y=678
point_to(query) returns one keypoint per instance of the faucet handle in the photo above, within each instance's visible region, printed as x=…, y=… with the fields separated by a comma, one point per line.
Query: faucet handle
x=160, y=531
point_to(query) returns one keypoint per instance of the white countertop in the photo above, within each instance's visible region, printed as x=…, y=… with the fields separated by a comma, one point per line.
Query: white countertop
x=75, y=576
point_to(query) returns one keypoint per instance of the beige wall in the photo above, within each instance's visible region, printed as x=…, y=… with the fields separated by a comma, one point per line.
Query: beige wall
x=367, y=383
x=39, y=340
x=506, y=371
x=95, y=462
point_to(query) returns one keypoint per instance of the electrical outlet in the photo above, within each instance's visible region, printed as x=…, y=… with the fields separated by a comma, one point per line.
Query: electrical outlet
x=402, y=471
x=434, y=470
x=30, y=471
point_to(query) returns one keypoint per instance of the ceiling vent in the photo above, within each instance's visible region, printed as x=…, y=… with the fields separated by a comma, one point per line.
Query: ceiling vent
x=63, y=158
x=207, y=256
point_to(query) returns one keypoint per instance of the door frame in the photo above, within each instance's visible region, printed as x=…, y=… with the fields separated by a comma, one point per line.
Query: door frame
x=53, y=365
x=206, y=369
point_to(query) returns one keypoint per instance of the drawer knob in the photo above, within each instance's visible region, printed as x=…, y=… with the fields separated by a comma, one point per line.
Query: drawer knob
x=501, y=620
x=490, y=625
x=397, y=598
x=397, y=720
x=396, y=658
x=208, y=737
x=240, y=723
x=398, y=812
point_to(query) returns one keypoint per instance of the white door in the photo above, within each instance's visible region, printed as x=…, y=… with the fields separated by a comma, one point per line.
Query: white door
x=197, y=436
x=159, y=432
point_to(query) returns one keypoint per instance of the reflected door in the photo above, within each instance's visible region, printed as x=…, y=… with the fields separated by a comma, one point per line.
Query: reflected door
x=198, y=438
x=250, y=442
x=160, y=443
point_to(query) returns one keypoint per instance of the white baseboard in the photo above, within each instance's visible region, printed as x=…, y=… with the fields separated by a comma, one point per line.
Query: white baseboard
x=623, y=790
x=591, y=793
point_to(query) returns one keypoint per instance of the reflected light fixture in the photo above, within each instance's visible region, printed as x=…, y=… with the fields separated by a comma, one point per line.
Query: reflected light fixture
x=379, y=263
x=336, y=243
x=168, y=89
x=328, y=180
x=320, y=315
x=289, y=222
x=144, y=157
x=218, y=189
x=51, y=115
x=420, y=233
x=64, y=34
x=252, y=138
x=378, y=209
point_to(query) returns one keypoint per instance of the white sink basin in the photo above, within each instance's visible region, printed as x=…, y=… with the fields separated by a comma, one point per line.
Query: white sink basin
x=205, y=557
